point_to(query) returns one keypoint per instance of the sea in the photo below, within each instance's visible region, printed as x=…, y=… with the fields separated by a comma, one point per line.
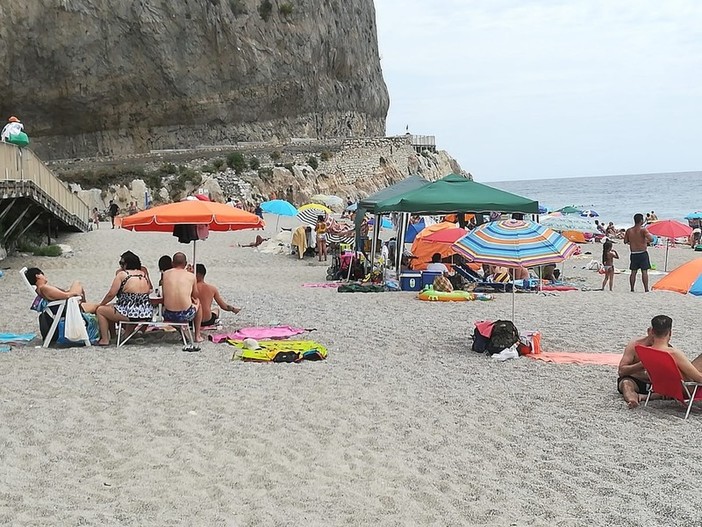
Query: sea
x=617, y=198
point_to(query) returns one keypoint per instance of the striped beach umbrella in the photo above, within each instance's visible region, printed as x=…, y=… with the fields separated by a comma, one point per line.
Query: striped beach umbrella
x=514, y=243
x=309, y=213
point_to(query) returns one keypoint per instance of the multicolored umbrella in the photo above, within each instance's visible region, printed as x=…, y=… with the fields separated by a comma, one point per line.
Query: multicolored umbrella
x=514, y=243
x=685, y=279
x=567, y=223
x=669, y=229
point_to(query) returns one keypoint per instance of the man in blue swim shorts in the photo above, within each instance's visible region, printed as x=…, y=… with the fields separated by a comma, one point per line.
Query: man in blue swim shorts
x=180, y=295
x=638, y=239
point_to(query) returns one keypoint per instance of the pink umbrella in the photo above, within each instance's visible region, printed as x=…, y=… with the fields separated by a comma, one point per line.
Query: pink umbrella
x=446, y=235
x=669, y=229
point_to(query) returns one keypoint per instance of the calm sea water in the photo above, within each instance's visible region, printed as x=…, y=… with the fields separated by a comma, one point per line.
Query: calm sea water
x=617, y=198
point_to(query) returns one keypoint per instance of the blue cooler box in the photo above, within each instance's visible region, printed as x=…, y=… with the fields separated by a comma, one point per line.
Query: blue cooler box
x=428, y=277
x=411, y=281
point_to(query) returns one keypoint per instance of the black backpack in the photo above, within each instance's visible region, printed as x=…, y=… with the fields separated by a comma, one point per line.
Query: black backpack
x=504, y=334
x=480, y=342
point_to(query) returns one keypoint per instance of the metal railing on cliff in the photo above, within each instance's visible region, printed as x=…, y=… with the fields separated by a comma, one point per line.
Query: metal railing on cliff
x=24, y=175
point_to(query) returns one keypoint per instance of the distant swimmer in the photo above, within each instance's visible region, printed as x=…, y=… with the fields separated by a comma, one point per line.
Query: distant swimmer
x=638, y=239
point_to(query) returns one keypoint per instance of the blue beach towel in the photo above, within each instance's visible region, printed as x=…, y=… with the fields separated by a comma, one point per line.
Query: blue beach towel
x=6, y=338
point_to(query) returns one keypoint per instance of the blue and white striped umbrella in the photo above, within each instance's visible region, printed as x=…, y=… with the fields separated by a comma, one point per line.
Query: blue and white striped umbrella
x=514, y=243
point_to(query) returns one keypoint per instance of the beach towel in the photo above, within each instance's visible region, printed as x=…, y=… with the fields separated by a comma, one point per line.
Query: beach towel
x=323, y=285
x=602, y=359
x=273, y=332
x=279, y=351
x=12, y=338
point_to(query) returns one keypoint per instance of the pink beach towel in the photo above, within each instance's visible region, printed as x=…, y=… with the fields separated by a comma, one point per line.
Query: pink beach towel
x=602, y=359
x=258, y=333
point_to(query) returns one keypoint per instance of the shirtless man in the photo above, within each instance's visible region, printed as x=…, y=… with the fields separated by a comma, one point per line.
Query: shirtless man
x=661, y=330
x=50, y=293
x=208, y=293
x=638, y=238
x=180, y=296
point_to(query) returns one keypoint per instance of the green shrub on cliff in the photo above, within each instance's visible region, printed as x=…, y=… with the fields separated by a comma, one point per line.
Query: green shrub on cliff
x=285, y=9
x=276, y=155
x=312, y=161
x=168, y=168
x=326, y=155
x=218, y=163
x=236, y=161
x=265, y=9
x=254, y=163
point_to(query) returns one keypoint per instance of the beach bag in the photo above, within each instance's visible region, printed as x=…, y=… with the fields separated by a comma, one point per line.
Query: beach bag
x=481, y=336
x=504, y=335
x=441, y=283
x=19, y=139
x=74, y=329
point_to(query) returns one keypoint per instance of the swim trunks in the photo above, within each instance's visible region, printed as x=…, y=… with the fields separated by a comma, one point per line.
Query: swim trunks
x=187, y=315
x=641, y=386
x=210, y=322
x=639, y=261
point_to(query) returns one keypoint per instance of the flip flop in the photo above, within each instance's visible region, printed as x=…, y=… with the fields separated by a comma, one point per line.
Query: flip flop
x=191, y=348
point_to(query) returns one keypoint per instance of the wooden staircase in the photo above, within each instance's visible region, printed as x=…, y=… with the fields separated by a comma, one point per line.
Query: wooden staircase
x=30, y=193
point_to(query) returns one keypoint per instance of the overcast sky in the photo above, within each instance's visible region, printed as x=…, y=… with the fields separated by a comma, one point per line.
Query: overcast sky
x=520, y=89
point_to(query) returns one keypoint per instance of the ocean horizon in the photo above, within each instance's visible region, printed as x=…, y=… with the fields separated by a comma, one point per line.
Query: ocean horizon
x=616, y=198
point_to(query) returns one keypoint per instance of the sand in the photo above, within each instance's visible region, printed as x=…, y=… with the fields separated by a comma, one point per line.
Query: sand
x=402, y=425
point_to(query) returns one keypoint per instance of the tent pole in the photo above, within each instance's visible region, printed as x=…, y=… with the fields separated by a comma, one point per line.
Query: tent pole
x=374, y=241
x=401, y=240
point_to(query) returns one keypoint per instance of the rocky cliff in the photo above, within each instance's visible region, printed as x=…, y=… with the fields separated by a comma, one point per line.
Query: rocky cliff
x=115, y=77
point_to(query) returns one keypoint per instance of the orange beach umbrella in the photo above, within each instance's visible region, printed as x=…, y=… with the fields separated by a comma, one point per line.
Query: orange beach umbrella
x=217, y=216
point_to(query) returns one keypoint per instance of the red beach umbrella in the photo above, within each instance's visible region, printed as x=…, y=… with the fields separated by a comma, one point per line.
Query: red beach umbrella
x=669, y=229
x=446, y=235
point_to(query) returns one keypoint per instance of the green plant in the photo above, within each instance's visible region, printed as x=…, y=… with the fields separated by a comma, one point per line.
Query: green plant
x=254, y=163
x=207, y=169
x=265, y=9
x=285, y=9
x=168, y=168
x=326, y=155
x=48, y=250
x=312, y=161
x=289, y=166
x=218, y=163
x=265, y=173
x=236, y=161
x=276, y=155
x=153, y=180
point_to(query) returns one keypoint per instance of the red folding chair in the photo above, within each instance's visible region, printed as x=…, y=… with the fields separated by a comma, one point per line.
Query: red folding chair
x=666, y=379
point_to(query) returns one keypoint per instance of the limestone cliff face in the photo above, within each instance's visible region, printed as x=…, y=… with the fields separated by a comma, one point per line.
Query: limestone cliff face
x=114, y=77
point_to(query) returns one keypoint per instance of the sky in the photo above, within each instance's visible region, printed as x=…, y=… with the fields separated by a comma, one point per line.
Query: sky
x=526, y=89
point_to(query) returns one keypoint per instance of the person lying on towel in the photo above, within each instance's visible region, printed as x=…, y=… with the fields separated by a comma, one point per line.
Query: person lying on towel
x=633, y=382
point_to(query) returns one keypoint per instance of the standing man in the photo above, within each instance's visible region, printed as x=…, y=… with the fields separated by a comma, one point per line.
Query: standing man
x=207, y=293
x=113, y=209
x=180, y=295
x=638, y=239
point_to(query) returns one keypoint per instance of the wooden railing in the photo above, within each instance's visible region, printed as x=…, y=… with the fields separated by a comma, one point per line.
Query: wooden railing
x=22, y=165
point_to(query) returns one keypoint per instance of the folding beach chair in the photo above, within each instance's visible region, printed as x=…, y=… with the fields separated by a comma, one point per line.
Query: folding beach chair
x=666, y=379
x=54, y=311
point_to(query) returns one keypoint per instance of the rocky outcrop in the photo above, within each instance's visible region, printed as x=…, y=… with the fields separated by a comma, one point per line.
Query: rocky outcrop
x=112, y=77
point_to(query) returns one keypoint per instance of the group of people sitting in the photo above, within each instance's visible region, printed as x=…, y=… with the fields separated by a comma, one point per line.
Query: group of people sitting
x=186, y=297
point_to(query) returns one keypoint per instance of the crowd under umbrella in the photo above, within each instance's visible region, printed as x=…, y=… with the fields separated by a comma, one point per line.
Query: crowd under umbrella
x=279, y=207
x=514, y=243
x=181, y=214
x=669, y=229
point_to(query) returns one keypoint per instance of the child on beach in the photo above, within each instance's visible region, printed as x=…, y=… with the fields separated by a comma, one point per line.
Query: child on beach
x=608, y=256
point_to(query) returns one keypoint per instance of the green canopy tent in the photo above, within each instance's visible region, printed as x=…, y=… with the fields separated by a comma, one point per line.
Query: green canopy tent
x=455, y=193
x=369, y=204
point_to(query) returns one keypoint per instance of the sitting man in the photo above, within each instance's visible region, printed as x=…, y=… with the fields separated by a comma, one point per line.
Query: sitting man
x=436, y=264
x=633, y=382
x=207, y=293
x=180, y=295
x=50, y=293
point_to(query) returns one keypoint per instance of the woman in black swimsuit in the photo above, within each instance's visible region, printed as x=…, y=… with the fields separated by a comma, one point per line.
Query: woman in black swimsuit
x=131, y=288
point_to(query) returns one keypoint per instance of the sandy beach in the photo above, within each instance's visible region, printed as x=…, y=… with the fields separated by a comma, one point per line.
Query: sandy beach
x=402, y=425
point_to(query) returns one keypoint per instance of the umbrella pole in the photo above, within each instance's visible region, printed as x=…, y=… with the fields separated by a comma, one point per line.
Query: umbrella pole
x=665, y=268
x=513, y=295
x=277, y=220
x=194, y=260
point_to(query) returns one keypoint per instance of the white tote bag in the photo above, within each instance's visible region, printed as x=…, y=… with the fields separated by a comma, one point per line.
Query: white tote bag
x=74, y=327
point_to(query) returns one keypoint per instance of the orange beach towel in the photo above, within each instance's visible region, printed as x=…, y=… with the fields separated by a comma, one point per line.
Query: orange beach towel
x=603, y=359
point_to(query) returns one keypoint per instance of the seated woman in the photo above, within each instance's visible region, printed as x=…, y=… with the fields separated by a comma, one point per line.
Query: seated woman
x=143, y=269
x=35, y=277
x=131, y=287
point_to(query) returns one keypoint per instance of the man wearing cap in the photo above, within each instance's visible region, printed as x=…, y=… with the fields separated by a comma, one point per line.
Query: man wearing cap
x=13, y=126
